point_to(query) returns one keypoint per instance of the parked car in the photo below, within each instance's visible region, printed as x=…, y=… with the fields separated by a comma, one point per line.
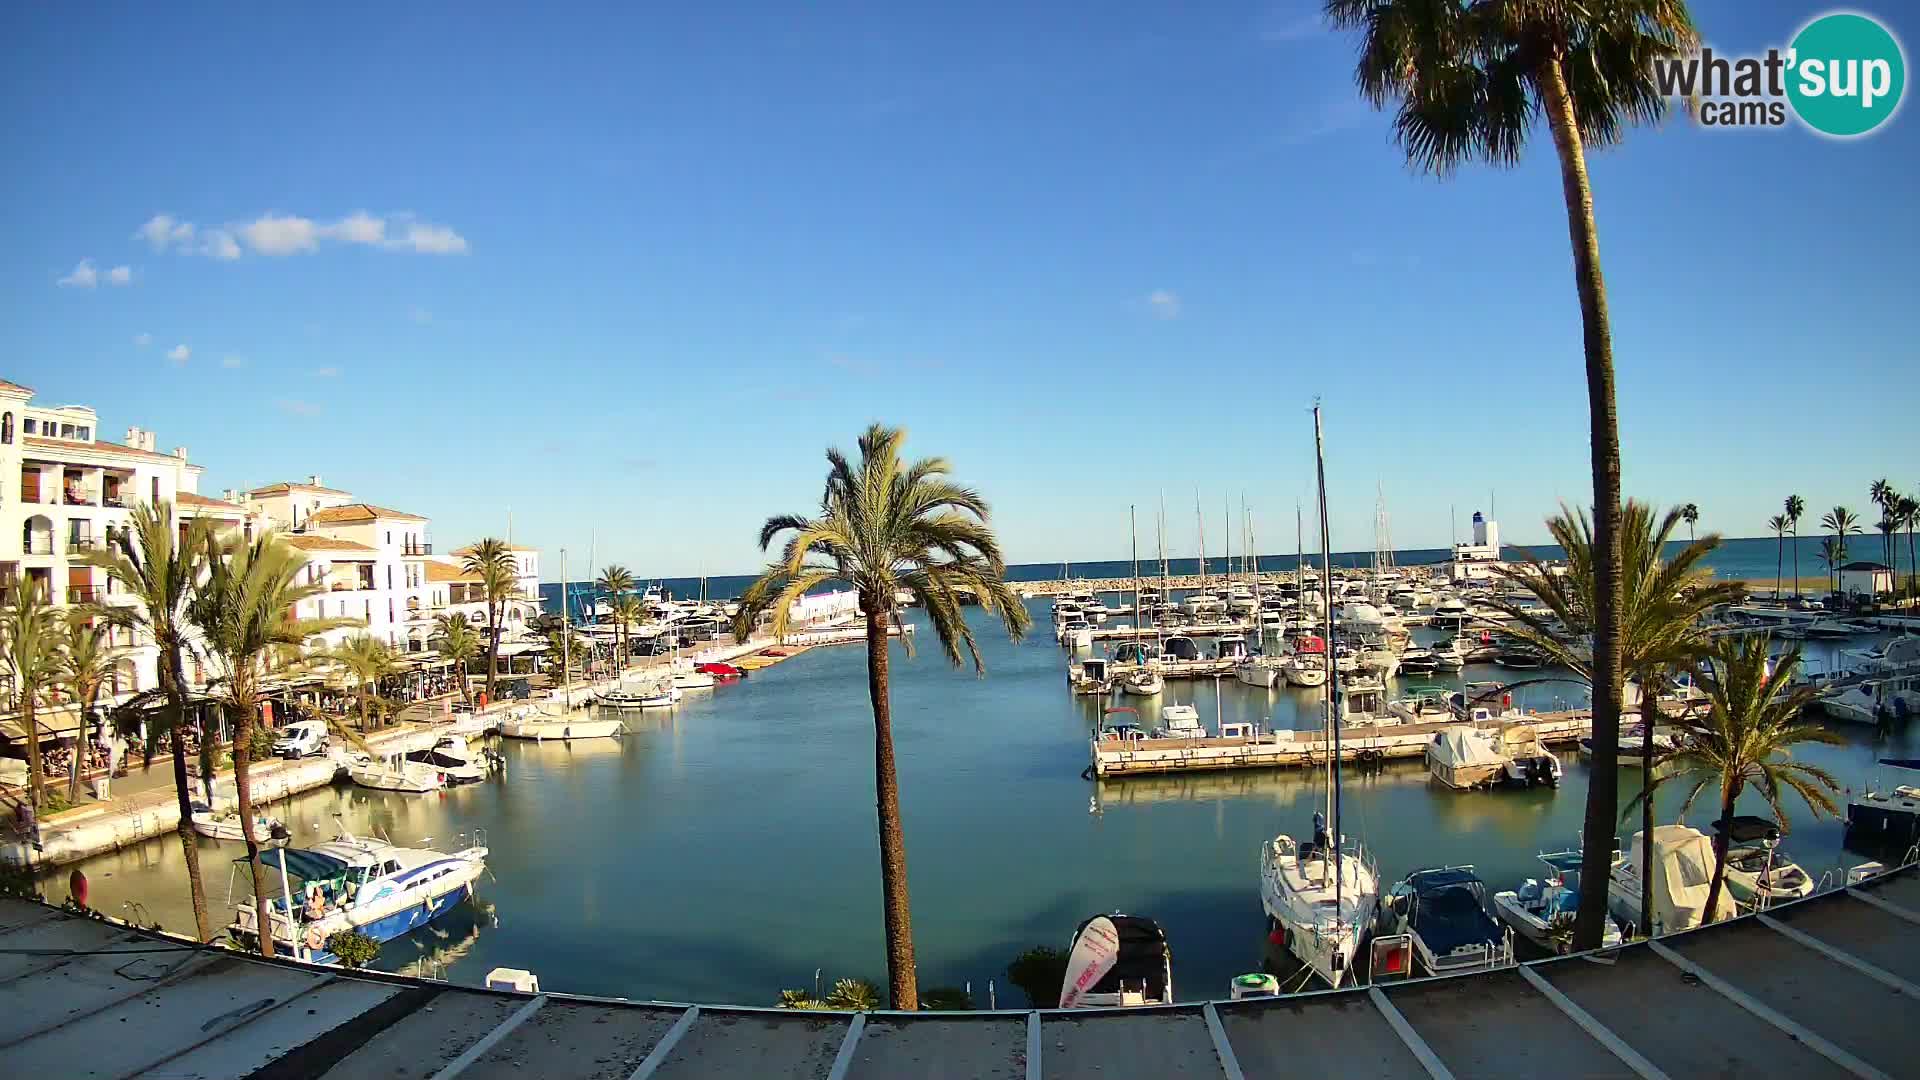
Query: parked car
x=301, y=738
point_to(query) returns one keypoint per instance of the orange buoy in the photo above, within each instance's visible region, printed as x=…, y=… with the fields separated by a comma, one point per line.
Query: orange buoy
x=78, y=887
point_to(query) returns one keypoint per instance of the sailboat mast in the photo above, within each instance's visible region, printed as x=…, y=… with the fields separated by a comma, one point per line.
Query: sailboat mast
x=1133, y=537
x=1333, y=669
x=1166, y=593
x=566, y=631
x=1259, y=628
x=1200, y=523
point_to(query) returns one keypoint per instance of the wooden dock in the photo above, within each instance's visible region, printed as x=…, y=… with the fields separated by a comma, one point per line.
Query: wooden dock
x=1295, y=749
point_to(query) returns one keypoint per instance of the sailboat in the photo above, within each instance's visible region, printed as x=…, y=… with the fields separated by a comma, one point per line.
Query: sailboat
x=1321, y=896
x=567, y=722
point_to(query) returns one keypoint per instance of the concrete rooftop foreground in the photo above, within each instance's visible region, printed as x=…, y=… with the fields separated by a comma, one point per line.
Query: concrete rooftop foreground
x=1822, y=988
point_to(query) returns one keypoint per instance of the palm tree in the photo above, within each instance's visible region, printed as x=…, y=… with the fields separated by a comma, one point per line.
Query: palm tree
x=567, y=650
x=1910, y=516
x=1470, y=79
x=1778, y=523
x=30, y=657
x=616, y=581
x=1883, y=495
x=1663, y=601
x=1745, y=738
x=884, y=526
x=84, y=665
x=628, y=612
x=156, y=566
x=492, y=561
x=454, y=638
x=1691, y=515
x=245, y=609
x=368, y=660
x=1795, y=506
x=1889, y=527
x=1839, y=521
x=1832, y=555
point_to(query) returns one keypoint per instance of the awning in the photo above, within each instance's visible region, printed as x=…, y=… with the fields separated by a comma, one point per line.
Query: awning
x=52, y=725
x=300, y=863
x=518, y=648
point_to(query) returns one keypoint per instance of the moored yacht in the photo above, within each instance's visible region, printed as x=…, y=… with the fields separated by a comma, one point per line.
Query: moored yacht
x=1263, y=671
x=1886, y=815
x=1464, y=757
x=1444, y=910
x=539, y=726
x=1542, y=909
x=354, y=883
x=1682, y=878
x=457, y=760
x=1091, y=676
x=1318, y=902
x=394, y=773
x=1144, y=682
x=1759, y=874
x=1181, y=722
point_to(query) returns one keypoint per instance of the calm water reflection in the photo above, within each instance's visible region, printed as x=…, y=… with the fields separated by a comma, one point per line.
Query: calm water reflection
x=727, y=850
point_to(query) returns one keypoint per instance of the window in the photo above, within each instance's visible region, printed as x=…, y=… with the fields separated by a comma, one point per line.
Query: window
x=389, y=537
x=32, y=425
x=389, y=569
x=6, y=428
x=156, y=489
x=366, y=610
x=83, y=433
x=66, y=431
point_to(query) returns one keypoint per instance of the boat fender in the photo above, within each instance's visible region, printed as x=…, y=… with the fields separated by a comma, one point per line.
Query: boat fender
x=315, y=939
x=1278, y=935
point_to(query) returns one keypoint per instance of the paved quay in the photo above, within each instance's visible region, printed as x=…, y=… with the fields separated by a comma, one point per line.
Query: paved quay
x=1823, y=987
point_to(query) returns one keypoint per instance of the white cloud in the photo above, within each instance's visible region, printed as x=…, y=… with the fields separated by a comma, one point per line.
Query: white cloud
x=120, y=275
x=84, y=276
x=162, y=231
x=143, y=340
x=434, y=240
x=279, y=234
x=178, y=354
x=230, y=361
x=326, y=373
x=1164, y=304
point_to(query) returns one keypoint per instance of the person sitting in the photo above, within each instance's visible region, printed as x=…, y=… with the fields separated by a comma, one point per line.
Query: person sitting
x=316, y=903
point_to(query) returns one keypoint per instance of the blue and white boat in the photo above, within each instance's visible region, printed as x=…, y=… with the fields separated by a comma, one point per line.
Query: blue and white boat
x=354, y=883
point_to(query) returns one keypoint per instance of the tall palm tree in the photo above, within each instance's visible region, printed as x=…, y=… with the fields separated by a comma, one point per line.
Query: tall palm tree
x=1839, y=521
x=616, y=582
x=85, y=663
x=886, y=526
x=1745, y=739
x=628, y=612
x=1795, y=506
x=1663, y=601
x=1910, y=516
x=1778, y=523
x=1883, y=495
x=245, y=610
x=30, y=643
x=368, y=660
x=453, y=636
x=156, y=565
x=1832, y=555
x=492, y=560
x=1691, y=515
x=1889, y=527
x=1469, y=81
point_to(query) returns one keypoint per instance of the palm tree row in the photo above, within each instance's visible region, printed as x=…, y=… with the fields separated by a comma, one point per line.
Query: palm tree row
x=492, y=561
x=616, y=582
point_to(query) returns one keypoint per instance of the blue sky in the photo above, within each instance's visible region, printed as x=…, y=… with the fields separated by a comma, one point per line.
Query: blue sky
x=627, y=273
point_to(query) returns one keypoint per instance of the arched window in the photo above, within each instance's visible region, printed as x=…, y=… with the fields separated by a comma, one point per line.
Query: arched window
x=6, y=428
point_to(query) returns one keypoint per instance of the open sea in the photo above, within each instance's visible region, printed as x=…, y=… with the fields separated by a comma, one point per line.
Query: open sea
x=726, y=849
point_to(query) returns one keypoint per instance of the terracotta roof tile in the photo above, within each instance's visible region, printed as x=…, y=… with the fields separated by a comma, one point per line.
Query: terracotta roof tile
x=98, y=446
x=355, y=512
x=282, y=489
x=439, y=571
x=468, y=550
x=5, y=385
x=326, y=543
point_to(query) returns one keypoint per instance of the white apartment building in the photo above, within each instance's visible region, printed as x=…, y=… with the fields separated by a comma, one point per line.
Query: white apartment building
x=64, y=491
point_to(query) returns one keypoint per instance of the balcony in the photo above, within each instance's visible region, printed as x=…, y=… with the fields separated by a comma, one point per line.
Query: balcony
x=37, y=545
x=416, y=549
x=117, y=501
x=86, y=594
x=78, y=544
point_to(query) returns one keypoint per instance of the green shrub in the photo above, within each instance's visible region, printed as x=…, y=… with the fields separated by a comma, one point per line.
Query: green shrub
x=946, y=999
x=354, y=948
x=1038, y=973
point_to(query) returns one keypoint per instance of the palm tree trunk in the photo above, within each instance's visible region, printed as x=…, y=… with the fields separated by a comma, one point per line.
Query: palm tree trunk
x=79, y=754
x=1650, y=715
x=493, y=649
x=362, y=695
x=36, y=770
x=1796, y=559
x=902, y=981
x=1913, y=568
x=1779, y=561
x=1729, y=794
x=1604, y=788
x=171, y=679
x=243, y=790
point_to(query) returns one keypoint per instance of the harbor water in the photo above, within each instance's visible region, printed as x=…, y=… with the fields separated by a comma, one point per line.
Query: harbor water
x=726, y=849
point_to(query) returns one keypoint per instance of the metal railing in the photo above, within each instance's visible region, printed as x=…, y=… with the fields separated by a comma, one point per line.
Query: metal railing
x=80, y=543
x=41, y=545
x=84, y=594
x=417, y=549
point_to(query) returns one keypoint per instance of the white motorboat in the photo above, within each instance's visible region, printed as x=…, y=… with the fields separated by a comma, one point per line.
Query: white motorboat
x=394, y=773
x=1448, y=656
x=621, y=698
x=1542, y=909
x=1759, y=874
x=1077, y=634
x=1363, y=702
x=540, y=727
x=223, y=823
x=1181, y=722
x=1682, y=878
x=1418, y=663
x=1444, y=910
x=1262, y=671
x=1425, y=707
x=1633, y=743
x=1091, y=676
x=458, y=760
x=1116, y=961
x=1529, y=762
x=1872, y=701
x=661, y=697
x=1320, y=903
x=352, y=883
x=1465, y=757
x=692, y=680
x=1143, y=682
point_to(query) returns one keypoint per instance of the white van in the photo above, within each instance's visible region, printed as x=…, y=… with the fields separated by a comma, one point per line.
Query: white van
x=301, y=738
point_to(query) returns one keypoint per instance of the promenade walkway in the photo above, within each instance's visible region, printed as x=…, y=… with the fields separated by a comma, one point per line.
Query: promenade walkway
x=1824, y=987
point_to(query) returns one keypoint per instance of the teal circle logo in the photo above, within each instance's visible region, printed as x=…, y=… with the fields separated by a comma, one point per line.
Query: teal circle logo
x=1846, y=74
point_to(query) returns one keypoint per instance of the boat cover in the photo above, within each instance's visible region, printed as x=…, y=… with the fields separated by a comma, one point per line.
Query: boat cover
x=1448, y=913
x=310, y=865
x=1746, y=828
x=1142, y=956
x=1465, y=747
x=1682, y=877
